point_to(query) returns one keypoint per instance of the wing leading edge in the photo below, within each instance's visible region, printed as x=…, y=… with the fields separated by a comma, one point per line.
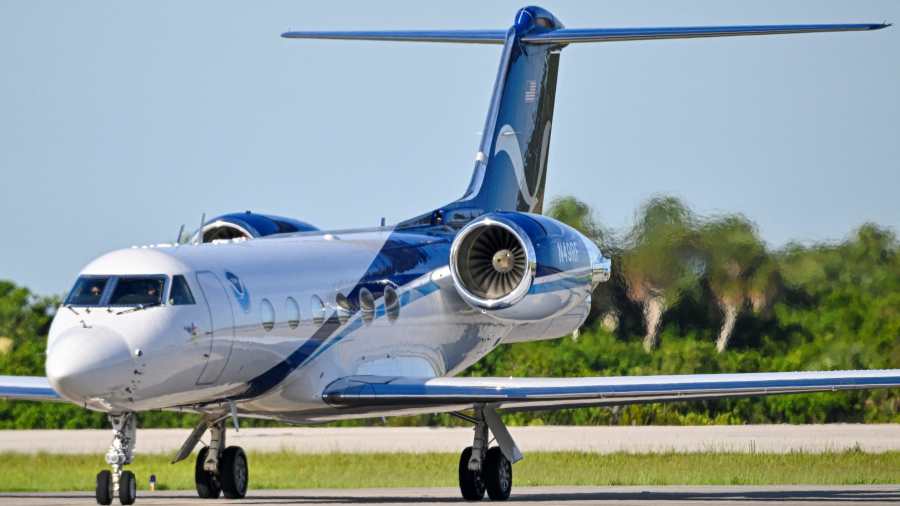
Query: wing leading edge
x=523, y=394
x=27, y=388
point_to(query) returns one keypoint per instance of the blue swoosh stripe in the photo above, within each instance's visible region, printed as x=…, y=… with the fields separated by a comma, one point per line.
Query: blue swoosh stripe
x=320, y=342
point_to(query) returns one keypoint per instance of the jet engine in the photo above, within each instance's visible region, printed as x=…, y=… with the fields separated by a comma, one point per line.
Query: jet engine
x=524, y=267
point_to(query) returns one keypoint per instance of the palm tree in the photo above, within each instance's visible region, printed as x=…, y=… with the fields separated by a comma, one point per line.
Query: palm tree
x=737, y=271
x=658, y=263
x=580, y=216
x=577, y=215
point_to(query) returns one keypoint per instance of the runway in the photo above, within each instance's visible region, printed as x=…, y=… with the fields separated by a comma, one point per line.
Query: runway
x=715, y=438
x=670, y=496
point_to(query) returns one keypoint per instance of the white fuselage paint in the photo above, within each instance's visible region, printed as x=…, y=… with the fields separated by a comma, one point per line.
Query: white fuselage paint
x=164, y=357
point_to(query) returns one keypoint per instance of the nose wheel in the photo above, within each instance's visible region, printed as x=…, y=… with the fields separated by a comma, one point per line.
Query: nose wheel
x=118, y=483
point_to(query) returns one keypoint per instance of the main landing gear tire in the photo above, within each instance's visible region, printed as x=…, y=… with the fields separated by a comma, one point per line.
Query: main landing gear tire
x=233, y=473
x=207, y=483
x=497, y=475
x=104, y=487
x=470, y=483
x=127, y=488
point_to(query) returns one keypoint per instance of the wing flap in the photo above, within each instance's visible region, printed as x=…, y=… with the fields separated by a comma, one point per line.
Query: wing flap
x=445, y=394
x=27, y=388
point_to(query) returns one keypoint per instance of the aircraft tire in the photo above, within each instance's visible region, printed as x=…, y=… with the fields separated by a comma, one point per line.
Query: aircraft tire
x=233, y=474
x=206, y=482
x=470, y=482
x=497, y=475
x=103, y=491
x=127, y=488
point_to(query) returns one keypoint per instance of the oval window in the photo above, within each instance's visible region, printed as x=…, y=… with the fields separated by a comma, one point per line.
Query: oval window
x=391, y=304
x=318, y=310
x=267, y=314
x=367, y=305
x=344, y=308
x=292, y=310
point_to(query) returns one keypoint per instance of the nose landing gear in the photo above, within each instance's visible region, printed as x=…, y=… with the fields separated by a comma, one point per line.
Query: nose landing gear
x=118, y=482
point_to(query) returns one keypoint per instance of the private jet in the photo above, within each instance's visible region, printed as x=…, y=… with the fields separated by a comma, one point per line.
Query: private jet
x=259, y=316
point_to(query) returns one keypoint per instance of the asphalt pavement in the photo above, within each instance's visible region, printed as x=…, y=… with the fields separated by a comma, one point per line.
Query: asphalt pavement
x=532, y=496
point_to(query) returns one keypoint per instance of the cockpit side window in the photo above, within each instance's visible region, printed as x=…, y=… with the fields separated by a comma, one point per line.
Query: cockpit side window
x=181, y=293
x=132, y=291
x=88, y=291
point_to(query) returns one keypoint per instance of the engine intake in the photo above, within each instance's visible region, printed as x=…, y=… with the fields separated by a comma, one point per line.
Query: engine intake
x=493, y=262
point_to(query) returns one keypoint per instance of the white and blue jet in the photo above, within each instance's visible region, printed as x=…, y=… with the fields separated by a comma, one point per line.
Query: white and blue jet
x=266, y=317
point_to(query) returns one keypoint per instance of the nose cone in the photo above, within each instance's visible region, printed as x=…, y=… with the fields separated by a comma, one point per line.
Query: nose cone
x=89, y=363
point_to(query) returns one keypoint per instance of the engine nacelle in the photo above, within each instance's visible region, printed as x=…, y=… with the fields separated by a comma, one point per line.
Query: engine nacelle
x=524, y=267
x=248, y=225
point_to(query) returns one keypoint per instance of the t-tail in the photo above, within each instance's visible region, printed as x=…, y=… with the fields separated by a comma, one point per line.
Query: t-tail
x=511, y=162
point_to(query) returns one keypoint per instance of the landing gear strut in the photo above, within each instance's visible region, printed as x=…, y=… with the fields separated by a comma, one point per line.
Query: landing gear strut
x=221, y=470
x=118, y=482
x=483, y=469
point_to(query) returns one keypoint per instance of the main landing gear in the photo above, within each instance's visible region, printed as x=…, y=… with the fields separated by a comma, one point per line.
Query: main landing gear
x=221, y=470
x=483, y=469
x=119, y=483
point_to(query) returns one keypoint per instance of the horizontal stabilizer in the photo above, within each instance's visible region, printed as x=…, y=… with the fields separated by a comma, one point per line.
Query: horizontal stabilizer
x=574, y=35
x=458, y=36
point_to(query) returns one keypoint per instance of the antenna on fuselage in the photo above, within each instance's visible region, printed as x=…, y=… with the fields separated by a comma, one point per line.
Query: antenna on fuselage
x=180, y=235
x=200, y=231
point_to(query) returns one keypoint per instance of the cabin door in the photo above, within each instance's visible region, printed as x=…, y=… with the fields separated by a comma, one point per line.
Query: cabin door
x=221, y=328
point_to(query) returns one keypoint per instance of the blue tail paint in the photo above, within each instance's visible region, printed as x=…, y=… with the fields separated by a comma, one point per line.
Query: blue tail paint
x=511, y=163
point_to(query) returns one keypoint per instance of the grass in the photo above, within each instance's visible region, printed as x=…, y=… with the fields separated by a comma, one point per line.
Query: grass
x=46, y=472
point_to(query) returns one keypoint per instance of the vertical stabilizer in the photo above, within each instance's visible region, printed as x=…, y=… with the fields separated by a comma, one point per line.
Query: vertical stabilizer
x=511, y=163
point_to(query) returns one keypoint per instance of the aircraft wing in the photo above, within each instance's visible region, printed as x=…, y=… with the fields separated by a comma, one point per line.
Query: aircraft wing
x=374, y=393
x=27, y=388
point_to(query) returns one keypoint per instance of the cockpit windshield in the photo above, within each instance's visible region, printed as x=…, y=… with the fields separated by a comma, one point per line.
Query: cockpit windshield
x=134, y=291
x=117, y=291
x=88, y=291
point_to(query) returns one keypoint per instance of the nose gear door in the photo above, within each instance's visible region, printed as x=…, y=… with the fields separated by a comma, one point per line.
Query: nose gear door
x=221, y=328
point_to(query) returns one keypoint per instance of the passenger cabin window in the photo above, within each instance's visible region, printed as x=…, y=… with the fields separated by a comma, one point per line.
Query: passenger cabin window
x=293, y=312
x=181, y=293
x=133, y=291
x=367, y=305
x=88, y=291
x=267, y=315
x=318, y=310
x=344, y=308
x=391, y=304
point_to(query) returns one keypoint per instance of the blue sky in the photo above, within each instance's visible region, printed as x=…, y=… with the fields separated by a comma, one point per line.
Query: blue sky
x=119, y=121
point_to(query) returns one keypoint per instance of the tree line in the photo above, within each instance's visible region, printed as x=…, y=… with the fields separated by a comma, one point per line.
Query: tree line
x=688, y=294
